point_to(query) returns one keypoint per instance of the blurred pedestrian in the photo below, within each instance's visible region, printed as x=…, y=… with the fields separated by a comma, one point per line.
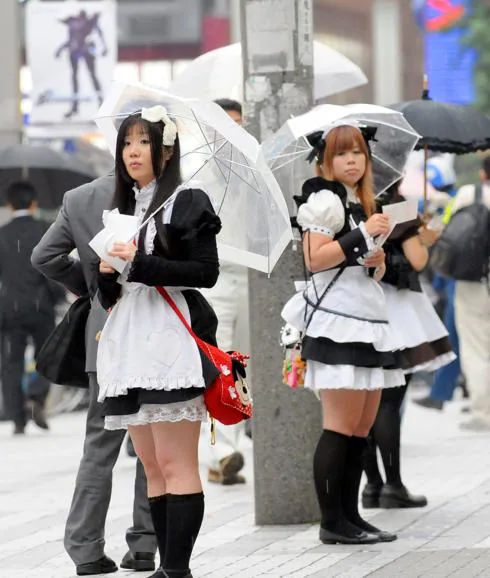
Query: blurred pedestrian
x=27, y=307
x=229, y=298
x=472, y=306
x=151, y=372
x=441, y=175
x=78, y=221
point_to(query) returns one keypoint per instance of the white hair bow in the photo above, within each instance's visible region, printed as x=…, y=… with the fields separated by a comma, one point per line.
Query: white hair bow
x=159, y=113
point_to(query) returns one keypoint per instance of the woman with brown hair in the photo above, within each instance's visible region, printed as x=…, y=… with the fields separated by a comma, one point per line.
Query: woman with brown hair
x=347, y=342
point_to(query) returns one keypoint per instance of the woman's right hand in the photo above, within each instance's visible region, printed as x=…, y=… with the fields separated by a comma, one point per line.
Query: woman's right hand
x=377, y=224
x=106, y=268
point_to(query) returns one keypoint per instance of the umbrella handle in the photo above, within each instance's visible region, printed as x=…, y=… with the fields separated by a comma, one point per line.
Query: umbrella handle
x=426, y=208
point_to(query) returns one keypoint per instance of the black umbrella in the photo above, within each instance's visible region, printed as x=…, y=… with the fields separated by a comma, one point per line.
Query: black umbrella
x=52, y=173
x=446, y=128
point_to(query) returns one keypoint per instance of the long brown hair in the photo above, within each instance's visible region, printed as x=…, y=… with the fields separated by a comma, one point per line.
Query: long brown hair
x=342, y=139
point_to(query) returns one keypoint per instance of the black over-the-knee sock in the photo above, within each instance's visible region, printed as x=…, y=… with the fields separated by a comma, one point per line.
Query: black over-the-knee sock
x=370, y=462
x=158, y=509
x=386, y=432
x=184, y=518
x=352, y=480
x=328, y=470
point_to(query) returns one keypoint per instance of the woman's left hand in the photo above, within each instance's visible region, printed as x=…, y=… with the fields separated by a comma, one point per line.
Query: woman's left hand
x=124, y=251
x=375, y=260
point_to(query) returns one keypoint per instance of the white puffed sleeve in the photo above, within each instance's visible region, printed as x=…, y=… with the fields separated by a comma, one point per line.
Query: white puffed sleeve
x=323, y=213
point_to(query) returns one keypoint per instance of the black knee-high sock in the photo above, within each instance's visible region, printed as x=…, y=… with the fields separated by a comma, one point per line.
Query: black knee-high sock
x=352, y=480
x=328, y=470
x=184, y=518
x=158, y=509
x=371, y=462
x=386, y=432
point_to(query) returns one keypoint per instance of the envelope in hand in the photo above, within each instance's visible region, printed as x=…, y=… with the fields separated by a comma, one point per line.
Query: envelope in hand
x=117, y=227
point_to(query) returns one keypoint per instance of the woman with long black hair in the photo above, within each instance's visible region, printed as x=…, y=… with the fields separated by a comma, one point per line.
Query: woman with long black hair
x=151, y=373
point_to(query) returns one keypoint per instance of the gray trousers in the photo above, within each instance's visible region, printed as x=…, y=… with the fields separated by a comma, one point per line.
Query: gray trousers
x=84, y=532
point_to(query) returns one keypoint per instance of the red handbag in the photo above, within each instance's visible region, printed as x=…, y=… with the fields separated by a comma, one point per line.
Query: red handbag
x=227, y=400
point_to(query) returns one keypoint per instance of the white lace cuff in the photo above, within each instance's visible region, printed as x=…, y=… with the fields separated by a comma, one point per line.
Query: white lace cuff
x=319, y=229
x=367, y=237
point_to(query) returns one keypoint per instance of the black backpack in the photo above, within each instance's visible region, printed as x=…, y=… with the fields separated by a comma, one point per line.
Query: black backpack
x=463, y=251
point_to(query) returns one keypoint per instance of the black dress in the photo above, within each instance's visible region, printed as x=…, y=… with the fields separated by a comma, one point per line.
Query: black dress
x=149, y=367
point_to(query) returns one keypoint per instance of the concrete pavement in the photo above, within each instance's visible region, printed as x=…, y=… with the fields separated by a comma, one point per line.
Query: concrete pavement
x=451, y=537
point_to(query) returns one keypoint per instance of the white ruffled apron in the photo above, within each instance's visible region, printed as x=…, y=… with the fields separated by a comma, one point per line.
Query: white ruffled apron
x=414, y=322
x=353, y=310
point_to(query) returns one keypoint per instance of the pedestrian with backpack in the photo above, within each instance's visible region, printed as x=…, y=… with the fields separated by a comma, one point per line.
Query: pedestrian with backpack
x=462, y=253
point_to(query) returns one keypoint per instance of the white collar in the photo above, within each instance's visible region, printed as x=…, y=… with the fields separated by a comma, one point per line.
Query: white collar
x=351, y=194
x=146, y=192
x=21, y=213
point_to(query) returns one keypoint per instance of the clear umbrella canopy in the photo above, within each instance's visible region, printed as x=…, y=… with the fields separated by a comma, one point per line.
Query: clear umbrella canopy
x=223, y=159
x=219, y=74
x=288, y=148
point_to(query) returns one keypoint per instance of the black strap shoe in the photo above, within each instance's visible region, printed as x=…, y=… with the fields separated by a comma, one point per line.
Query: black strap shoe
x=399, y=497
x=102, y=566
x=370, y=496
x=343, y=532
x=139, y=561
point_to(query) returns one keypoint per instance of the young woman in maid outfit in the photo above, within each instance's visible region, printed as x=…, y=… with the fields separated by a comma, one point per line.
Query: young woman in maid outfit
x=151, y=373
x=425, y=347
x=348, y=344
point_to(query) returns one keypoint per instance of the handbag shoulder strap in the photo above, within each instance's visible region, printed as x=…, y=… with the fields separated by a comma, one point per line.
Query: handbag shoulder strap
x=164, y=293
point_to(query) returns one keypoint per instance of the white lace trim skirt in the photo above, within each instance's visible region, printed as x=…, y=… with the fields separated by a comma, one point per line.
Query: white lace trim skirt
x=322, y=376
x=192, y=410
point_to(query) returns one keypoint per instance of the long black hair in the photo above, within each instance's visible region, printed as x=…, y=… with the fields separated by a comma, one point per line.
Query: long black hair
x=167, y=180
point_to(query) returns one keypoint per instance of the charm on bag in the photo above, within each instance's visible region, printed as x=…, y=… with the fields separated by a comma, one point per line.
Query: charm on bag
x=294, y=366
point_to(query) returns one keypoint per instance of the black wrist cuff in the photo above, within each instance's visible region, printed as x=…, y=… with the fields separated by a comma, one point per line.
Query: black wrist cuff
x=353, y=245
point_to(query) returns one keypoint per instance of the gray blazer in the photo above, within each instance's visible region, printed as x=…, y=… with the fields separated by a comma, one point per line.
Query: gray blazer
x=79, y=219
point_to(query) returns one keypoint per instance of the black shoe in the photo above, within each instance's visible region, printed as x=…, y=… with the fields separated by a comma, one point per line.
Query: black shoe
x=160, y=573
x=19, y=429
x=370, y=496
x=357, y=537
x=385, y=536
x=430, y=403
x=102, y=566
x=399, y=497
x=36, y=412
x=370, y=529
x=139, y=561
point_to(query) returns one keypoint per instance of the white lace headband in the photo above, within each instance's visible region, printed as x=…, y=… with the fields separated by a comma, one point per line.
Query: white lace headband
x=159, y=113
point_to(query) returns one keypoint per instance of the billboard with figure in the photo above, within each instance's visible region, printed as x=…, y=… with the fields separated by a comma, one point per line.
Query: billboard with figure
x=72, y=52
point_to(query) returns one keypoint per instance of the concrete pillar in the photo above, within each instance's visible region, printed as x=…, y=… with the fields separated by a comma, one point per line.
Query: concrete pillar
x=10, y=115
x=277, y=42
x=235, y=27
x=387, y=57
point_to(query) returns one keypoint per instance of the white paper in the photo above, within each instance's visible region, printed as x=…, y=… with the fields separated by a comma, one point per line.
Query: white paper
x=397, y=213
x=118, y=228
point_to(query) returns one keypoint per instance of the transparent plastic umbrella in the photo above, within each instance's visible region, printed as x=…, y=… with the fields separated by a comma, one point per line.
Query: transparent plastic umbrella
x=226, y=161
x=219, y=73
x=394, y=140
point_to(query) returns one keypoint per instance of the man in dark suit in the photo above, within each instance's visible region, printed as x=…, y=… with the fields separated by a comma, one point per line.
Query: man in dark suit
x=78, y=221
x=27, y=307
